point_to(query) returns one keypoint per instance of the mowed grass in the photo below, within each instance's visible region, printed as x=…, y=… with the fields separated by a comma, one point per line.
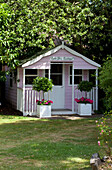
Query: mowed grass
x=32, y=144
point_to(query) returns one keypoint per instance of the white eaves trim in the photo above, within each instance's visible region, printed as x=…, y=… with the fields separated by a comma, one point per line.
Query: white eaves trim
x=82, y=56
x=57, y=49
x=41, y=56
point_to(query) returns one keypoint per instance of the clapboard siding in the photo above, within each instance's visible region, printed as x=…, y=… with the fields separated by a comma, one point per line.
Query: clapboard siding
x=11, y=93
x=68, y=89
x=79, y=63
x=45, y=63
x=21, y=77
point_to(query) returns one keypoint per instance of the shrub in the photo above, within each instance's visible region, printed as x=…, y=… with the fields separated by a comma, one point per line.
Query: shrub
x=85, y=86
x=105, y=133
x=105, y=79
x=42, y=84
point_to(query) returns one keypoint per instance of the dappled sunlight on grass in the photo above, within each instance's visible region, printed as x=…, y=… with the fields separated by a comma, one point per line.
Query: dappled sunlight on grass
x=76, y=163
x=17, y=119
x=32, y=143
x=77, y=159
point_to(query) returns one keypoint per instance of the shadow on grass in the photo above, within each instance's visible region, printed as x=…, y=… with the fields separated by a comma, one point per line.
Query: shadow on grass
x=45, y=143
x=61, y=155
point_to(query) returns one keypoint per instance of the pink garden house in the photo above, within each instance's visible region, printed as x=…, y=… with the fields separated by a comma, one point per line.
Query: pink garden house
x=66, y=68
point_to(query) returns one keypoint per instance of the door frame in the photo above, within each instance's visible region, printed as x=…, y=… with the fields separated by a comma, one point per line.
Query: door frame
x=63, y=79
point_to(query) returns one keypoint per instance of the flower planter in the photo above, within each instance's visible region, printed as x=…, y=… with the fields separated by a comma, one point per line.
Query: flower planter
x=44, y=111
x=84, y=109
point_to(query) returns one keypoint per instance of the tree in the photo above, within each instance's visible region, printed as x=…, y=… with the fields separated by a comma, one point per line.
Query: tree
x=105, y=77
x=42, y=84
x=27, y=26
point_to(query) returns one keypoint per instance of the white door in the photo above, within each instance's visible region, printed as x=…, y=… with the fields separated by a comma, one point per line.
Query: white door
x=57, y=95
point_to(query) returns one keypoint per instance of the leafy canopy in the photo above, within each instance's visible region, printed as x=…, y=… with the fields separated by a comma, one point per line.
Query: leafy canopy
x=105, y=78
x=27, y=26
x=42, y=84
x=85, y=86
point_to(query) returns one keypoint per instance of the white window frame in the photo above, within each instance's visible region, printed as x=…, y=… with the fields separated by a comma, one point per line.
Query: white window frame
x=57, y=74
x=31, y=75
x=82, y=75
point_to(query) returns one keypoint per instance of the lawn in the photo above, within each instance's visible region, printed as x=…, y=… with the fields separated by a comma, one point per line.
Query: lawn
x=31, y=144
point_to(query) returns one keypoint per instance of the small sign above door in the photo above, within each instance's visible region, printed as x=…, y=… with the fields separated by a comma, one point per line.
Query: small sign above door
x=62, y=58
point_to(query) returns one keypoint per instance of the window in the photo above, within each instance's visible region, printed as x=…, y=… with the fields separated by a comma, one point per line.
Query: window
x=11, y=79
x=77, y=76
x=92, y=76
x=30, y=74
x=55, y=74
x=47, y=73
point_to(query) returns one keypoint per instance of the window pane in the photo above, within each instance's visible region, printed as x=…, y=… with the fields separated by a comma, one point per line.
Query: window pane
x=70, y=79
x=77, y=79
x=57, y=79
x=78, y=72
x=30, y=71
x=29, y=80
x=56, y=68
x=46, y=73
x=92, y=77
x=70, y=70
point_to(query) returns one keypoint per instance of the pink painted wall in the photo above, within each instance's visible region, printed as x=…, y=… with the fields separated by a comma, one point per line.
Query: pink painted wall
x=11, y=92
x=68, y=89
x=44, y=63
x=21, y=77
x=79, y=63
x=41, y=73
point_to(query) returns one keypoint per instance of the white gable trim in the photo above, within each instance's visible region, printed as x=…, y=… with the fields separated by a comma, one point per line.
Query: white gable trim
x=82, y=56
x=57, y=49
x=41, y=56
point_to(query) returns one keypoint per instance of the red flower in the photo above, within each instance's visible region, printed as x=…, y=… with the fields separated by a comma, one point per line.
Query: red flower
x=44, y=102
x=50, y=101
x=82, y=99
x=77, y=100
x=37, y=100
x=91, y=101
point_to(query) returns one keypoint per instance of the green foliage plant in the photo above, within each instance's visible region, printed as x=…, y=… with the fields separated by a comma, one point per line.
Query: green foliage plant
x=42, y=84
x=44, y=102
x=27, y=25
x=105, y=133
x=105, y=81
x=85, y=86
x=3, y=75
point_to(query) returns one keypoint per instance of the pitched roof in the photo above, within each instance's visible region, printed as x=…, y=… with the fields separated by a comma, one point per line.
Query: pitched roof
x=47, y=52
